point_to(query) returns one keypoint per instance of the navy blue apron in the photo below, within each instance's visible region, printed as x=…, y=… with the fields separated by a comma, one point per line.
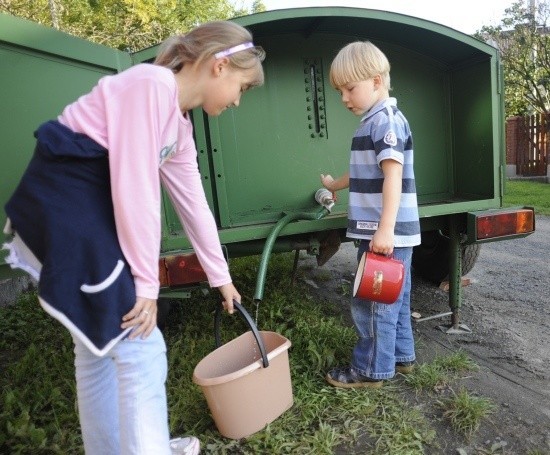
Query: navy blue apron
x=63, y=211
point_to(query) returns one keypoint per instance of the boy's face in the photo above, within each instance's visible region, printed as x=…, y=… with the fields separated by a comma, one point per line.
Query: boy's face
x=359, y=97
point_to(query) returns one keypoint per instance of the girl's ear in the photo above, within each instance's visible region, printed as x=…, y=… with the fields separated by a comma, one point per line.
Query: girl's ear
x=219, y=65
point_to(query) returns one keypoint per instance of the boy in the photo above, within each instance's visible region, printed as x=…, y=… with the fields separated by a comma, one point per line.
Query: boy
x=383, y=211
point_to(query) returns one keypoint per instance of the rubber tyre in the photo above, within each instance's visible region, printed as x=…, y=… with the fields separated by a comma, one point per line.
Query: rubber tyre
x=431, y=258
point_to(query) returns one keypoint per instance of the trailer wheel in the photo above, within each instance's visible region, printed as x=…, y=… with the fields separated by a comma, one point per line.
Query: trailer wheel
x=431, y=258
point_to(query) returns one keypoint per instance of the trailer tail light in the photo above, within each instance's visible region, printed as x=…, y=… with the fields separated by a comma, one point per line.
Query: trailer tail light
x=180, y=270
x=517, y=222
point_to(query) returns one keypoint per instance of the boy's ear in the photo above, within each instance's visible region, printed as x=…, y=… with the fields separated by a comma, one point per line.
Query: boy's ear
x=377, y=81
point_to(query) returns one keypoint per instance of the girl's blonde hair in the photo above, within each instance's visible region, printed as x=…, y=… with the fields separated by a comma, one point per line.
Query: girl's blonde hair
x=207, y=39
x=359, y=61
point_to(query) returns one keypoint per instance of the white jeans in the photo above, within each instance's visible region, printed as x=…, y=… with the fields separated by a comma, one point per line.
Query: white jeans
x=122, y=397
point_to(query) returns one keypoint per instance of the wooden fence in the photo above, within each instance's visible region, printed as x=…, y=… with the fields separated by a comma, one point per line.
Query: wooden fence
x=528, y=144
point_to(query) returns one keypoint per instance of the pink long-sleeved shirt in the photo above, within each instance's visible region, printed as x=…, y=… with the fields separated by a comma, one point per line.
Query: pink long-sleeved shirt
x=135, y=115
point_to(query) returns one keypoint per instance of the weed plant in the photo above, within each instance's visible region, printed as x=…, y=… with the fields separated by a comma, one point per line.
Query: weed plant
x=466, y=411
x=440, y=372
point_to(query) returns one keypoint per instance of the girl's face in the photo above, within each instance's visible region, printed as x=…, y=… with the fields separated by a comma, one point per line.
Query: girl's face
x=360, y=97
x=226, y=89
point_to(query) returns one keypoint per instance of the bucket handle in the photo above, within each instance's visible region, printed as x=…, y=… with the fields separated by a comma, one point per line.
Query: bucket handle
x=250, y=323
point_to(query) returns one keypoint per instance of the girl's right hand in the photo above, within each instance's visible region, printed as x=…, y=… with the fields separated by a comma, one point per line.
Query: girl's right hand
x=143, y=317
x=229, y=293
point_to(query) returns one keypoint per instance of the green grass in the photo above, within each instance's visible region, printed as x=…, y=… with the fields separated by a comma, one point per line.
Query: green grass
x=37, y=392
x=440, y=372
x=529, y=193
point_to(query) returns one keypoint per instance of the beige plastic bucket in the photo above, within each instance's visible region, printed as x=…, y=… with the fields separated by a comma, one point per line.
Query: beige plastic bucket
x=242, y=394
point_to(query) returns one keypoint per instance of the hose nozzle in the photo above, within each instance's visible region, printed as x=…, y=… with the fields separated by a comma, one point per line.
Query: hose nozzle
x=324, y=197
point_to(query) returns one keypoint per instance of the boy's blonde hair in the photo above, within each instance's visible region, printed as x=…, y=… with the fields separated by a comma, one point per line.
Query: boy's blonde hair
x=206, y=40
x=359, y=61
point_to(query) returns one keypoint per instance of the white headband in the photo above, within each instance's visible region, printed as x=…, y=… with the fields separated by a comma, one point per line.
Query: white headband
x=234, y=49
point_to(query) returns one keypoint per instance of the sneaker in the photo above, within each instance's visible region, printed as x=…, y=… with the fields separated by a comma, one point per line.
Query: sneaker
x=185, y=446
x=404, y=367
x=348, y=378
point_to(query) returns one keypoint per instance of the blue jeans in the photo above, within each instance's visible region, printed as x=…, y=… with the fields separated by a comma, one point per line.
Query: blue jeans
x=384, y=330
x=122, y=397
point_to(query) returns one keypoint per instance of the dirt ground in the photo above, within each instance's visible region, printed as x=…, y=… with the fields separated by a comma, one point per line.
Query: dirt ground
x=506, y=316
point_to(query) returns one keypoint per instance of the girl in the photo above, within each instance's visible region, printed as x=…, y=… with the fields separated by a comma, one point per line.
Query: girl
x=85, y=221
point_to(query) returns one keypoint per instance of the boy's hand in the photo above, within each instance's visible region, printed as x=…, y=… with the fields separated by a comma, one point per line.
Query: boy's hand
x=382, y=241
x=328, y=183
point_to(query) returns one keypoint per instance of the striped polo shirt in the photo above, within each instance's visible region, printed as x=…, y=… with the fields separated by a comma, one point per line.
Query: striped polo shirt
x=384, y=133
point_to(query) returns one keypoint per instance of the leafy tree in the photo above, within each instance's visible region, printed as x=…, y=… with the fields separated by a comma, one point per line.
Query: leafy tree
x=123, y=24
x=258, y=6
x=523, y=39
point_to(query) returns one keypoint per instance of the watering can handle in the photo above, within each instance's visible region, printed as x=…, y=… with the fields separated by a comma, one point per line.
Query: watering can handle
x=250, y=323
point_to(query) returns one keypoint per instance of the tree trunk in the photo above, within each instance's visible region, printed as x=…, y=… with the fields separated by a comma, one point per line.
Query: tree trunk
x=53, y=13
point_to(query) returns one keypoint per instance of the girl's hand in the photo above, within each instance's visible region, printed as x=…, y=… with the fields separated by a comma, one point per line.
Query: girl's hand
x=143, y=317
x=229, y=293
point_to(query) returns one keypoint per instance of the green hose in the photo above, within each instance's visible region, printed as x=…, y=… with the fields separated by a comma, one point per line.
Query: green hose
x=266, y=253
